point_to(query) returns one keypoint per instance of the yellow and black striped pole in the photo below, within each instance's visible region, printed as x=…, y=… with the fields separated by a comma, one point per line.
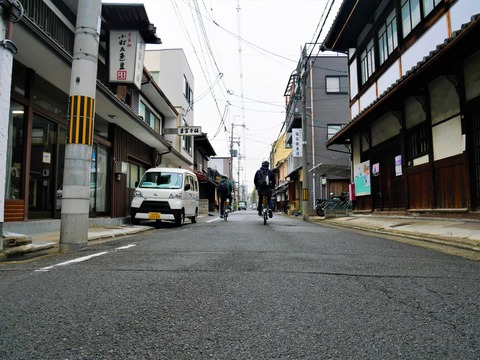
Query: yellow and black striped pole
x=305, y=194
x=81, y=116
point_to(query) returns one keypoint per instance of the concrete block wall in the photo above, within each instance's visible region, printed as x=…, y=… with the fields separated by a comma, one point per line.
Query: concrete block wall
x=203, y=206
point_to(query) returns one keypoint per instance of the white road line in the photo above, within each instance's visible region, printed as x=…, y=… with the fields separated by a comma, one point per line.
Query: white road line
x=84, y=258
x=216, y=219
x=126, y=247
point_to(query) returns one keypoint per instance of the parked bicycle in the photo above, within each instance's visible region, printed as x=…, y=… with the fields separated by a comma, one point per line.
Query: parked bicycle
x=335, y=202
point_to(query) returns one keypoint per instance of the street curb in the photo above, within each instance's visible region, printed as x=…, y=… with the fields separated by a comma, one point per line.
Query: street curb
x=438, y=239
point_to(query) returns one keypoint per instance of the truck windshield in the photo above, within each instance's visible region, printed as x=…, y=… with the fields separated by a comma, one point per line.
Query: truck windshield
x=161, y=180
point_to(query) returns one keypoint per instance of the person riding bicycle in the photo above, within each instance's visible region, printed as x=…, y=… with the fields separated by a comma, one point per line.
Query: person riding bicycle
x=264, y=181
x=224, y=189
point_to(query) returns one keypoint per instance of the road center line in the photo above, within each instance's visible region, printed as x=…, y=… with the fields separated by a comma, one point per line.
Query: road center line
x=84, y=258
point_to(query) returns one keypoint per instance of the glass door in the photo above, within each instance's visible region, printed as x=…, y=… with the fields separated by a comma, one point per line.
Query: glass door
x=99, y=195
x=42, y=159
x=42, y=197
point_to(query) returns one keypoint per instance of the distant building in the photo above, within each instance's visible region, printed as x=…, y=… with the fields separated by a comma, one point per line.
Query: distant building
x=325, y=79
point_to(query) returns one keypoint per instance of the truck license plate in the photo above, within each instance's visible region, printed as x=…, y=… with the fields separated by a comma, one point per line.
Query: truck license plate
x=154, y=215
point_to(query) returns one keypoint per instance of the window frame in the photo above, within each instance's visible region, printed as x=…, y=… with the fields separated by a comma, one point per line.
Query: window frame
x=342, y=88
x=187, y=144
x=337, y=127
x=187, y=92
x=387, y=37
x=367, y=62
x=150, y=117
x=418, y=141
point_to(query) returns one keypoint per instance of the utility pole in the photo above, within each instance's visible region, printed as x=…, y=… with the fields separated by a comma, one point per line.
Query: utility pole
x=78, y=152
x=230, y=169
x=10, y=11
x=304, y=142
x=236, y=140
x=238, y=173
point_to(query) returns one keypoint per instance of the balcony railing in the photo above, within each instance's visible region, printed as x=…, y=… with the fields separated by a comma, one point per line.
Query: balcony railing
x=48, y=22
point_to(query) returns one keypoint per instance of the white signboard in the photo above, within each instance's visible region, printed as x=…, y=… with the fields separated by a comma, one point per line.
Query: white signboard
x=297, y=142
x=189, y=130
x=127, y=54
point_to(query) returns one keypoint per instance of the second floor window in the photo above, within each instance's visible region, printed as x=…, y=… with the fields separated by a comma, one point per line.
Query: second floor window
x=336, y=84
x=367, y=62
x=187, y=144
x=411, y=15
x=428, y=5
x=187, y=92
x=332, y=129
x=387, y=37
x=150, y=118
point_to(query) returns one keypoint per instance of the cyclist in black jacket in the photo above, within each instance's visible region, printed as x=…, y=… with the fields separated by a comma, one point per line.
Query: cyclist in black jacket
x=264, y=181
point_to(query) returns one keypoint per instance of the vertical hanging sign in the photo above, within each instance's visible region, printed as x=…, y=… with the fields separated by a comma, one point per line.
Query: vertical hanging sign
x=297, y=142
x=127, y=53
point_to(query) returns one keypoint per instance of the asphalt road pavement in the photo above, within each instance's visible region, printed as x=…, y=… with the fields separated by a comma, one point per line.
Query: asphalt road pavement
x=242, y=290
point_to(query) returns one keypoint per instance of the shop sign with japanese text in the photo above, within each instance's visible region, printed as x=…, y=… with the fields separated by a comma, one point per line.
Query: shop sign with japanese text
x=297, y=142
x=189, y=130
x=127, y=54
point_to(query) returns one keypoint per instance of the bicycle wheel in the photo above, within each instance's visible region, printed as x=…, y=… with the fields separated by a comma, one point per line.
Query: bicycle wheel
x=265, y=216
x=319, y=210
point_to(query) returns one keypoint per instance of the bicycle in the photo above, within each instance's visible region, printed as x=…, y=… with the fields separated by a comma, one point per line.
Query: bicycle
x=226, y=209
x=337, y=202
x=265, y=209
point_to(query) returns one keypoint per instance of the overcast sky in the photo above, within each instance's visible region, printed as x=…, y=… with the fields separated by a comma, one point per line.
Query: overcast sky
x=242, y=53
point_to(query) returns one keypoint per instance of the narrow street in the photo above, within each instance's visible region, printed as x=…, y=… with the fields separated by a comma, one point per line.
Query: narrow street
x=242, y=290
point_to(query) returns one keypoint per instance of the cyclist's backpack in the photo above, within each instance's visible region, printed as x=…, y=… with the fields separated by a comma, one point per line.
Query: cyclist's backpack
x=223, y=188
x=263, y=181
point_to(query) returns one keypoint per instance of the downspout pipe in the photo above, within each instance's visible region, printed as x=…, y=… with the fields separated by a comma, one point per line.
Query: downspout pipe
x=11, y=11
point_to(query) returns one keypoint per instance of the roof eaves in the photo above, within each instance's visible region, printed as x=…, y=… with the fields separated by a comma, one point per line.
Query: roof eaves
x=342, y=134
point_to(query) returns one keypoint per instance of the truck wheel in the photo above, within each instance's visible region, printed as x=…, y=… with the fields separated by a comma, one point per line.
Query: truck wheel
x=193, y=219
x=180, y=219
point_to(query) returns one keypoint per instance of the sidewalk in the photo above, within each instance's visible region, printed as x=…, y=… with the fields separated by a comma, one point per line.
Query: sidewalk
x=459, y=233
x=17, y=246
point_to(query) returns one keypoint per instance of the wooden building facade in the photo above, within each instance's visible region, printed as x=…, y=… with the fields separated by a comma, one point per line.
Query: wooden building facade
x=414, y=83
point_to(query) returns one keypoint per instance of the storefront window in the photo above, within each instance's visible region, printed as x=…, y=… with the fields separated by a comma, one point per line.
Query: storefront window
x=49, y=97
x=19, y=77
x=98, y=179
x=102, y=171
x=15, y=166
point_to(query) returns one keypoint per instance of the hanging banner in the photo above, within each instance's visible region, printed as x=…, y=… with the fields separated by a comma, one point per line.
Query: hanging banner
x=297, y=142
x=127, y=54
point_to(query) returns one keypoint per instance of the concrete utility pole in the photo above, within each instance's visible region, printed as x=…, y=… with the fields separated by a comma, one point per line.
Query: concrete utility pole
x=78, y=152
x=304, y=144
x=10, y=11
